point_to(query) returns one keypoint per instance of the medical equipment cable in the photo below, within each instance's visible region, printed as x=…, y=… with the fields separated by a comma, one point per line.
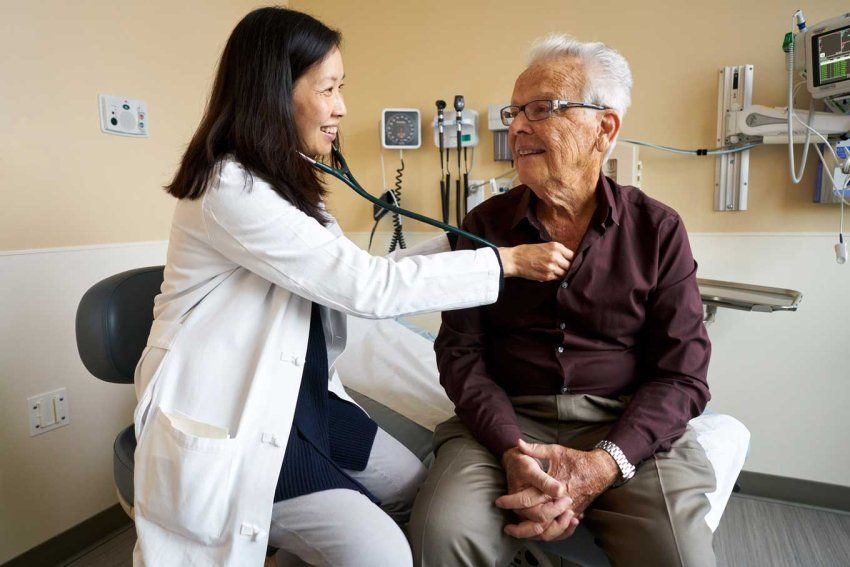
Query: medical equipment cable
x=444, y=189
x=447, y=204
x=395, y=195
x=391, y=195
x=796, y=177
x=818, y=134
x=398, y=235
x=446, y=207
x=344, y=174
x=383, y=171
x=825, y=141
x=372, y=235
x=699, y=152
x=458, y=105
x=378, y=217
x=841, y=246
x=457, y=191
x=465, y=207
x=835, y=190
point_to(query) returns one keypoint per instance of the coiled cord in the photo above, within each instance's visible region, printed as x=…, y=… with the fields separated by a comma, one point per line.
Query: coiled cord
x=398, y=235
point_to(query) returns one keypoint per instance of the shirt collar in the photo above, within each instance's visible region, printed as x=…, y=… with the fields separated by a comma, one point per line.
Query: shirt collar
x=522, y=209
x=607, y=211
x=608, y=204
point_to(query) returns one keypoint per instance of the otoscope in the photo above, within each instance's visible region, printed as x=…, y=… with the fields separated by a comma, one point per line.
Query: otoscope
x=459, y=104
x=344, y=174
x=444, y=170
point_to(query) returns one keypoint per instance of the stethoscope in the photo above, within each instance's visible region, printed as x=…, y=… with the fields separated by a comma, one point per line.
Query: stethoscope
x=344, y=174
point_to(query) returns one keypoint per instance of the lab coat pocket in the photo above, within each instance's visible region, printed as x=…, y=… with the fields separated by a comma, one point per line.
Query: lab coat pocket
x=183, y=481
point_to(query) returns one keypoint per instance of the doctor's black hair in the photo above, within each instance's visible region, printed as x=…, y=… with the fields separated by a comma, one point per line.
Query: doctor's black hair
x=250, y=114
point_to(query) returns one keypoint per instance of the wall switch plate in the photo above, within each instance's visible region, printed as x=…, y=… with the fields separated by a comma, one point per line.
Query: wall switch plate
x=48, y=411
x=624, y=165
x=123, y=116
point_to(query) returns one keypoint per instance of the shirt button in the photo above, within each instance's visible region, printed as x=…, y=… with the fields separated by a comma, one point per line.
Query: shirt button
x=560, y=349
x=562, y=326
x=565, y=390
x=565, y=285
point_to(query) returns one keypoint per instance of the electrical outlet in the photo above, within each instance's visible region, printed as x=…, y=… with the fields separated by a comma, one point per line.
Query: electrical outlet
x=48, y=411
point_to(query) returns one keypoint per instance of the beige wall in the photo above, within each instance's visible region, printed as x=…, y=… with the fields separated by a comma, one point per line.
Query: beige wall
x=402, y=54
x=63, y=182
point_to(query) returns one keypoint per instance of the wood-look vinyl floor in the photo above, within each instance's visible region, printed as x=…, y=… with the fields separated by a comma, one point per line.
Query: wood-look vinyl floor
x=752, y=533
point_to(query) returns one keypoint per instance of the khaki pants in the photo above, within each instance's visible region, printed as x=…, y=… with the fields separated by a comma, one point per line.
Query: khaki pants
x=657, y=518
x=342, y=527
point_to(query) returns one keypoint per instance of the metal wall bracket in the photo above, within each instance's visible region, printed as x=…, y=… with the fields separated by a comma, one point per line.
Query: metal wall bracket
x=732, y=171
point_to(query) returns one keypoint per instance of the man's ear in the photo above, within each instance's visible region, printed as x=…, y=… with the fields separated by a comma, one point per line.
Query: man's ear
x=609, y=126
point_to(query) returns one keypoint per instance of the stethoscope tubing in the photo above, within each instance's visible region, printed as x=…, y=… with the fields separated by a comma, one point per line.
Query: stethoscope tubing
x=344, y=174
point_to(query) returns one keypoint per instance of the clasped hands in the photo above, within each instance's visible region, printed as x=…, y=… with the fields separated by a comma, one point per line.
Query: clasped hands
x=550, y=503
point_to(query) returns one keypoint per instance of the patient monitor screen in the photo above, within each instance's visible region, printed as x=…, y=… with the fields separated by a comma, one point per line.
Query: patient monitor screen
x=831, y=52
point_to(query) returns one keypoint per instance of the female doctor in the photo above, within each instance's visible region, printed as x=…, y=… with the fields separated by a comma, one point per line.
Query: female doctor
x=245, y=434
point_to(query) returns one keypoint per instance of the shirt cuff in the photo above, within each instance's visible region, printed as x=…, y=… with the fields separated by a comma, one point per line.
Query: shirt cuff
x=500, y=439
x=501, y=270
x=631, y=443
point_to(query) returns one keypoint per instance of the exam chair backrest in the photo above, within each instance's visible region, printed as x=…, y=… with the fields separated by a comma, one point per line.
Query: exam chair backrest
x=114, y=319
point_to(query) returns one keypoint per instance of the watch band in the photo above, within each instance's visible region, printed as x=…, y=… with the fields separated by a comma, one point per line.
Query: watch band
x=627, y=470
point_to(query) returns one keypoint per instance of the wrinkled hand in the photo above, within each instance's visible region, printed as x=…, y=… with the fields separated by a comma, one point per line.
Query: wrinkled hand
x=585, y=474
x=523, y=472
x=539, y=499
x=538, y=262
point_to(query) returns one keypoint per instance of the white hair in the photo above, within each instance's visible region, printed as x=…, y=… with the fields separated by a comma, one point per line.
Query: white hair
x=608, y=79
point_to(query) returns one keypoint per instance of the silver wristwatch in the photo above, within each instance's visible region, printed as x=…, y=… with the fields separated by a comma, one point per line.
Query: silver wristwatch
x=627, y=470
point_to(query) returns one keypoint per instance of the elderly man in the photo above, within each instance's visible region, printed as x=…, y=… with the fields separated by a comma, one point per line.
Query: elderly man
x=592, y=379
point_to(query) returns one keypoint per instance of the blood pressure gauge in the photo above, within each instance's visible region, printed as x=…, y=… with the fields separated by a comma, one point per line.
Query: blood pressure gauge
x=401, y=129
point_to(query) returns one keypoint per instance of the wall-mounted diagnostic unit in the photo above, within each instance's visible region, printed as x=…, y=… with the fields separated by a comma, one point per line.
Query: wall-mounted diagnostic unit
x=401, y=129
x=825, y=52
x=123, y=116
x=468, y=133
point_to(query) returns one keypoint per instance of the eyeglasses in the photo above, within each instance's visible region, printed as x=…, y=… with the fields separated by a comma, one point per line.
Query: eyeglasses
x=542, y=109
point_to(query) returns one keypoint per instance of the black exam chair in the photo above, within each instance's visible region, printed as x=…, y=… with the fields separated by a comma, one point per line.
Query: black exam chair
x=113, y=321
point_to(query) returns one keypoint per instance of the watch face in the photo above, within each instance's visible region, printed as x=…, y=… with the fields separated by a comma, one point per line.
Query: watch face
x=401, y=128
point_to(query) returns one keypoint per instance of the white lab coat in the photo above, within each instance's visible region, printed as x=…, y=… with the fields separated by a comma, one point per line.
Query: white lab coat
x=219, y=379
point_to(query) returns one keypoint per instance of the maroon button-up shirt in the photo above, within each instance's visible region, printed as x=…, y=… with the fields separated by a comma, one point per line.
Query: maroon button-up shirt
x=627, y=320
